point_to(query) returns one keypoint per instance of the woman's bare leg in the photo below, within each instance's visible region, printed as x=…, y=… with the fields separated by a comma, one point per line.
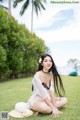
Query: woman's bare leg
x=61, y=101
x=40, y=106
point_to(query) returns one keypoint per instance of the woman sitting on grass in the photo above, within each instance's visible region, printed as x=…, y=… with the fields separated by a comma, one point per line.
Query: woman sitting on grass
x=43, y=99
x=46, y=80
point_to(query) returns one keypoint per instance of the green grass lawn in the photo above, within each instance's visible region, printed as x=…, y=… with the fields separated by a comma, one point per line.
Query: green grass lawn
x=18, y=90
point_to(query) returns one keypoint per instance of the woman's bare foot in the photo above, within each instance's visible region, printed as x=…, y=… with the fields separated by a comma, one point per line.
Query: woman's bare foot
x=36, y=113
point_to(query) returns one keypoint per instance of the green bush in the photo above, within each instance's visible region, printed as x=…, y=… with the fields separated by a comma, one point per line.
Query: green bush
x=20, y=50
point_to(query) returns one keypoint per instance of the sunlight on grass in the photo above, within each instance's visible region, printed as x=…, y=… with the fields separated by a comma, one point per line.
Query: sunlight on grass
x=18, y=90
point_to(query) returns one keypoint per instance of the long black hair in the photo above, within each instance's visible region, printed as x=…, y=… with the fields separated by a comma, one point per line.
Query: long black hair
x=58, y=85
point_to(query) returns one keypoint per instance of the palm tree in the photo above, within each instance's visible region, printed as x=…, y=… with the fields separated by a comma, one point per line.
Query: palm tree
x=9, y=6
x=6, y=8
x=2, y=6
x=36, y=5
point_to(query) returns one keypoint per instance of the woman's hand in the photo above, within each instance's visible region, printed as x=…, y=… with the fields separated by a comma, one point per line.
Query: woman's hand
x=56, y=112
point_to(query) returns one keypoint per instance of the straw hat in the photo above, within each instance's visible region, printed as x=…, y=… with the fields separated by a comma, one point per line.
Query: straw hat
x=17, y=114
x=21, y=110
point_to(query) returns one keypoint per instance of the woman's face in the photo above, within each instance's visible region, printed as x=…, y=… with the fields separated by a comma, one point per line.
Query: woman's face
x=47, y=63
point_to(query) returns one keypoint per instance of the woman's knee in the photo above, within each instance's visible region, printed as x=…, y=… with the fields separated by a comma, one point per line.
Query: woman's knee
x=61, y=102
x=41, y=107
x=46, y=109
x=64, y=100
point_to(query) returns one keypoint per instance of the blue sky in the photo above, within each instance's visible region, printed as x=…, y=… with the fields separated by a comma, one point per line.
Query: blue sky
x=58, y=26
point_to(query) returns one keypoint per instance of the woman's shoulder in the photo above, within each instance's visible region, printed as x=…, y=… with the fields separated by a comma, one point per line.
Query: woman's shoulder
x=37, y=74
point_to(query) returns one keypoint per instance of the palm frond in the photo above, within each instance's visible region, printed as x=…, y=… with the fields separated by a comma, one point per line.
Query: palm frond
x=24, y=7
x=16, y=2
x=1, y=6
x=42, y=6
x=38, y=5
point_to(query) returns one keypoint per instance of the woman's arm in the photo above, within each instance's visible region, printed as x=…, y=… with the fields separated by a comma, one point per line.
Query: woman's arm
x=54, y=109
x=49, y=103
x=52, y=97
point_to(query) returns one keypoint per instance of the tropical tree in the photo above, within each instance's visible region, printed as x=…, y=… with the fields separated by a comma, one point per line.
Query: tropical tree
x=3, y=5
x=6, y=8
x=74, y=63
x=9, y=8
x=19, y=49
x=37, y=5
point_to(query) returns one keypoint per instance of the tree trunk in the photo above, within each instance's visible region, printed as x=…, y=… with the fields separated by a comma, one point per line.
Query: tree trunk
x=32, y=18
x=9, y=6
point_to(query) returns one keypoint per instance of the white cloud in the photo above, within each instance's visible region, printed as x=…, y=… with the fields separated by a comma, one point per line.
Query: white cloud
x=70, y=32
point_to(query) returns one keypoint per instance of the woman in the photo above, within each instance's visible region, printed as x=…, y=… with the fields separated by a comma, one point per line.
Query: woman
x=43, y=99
